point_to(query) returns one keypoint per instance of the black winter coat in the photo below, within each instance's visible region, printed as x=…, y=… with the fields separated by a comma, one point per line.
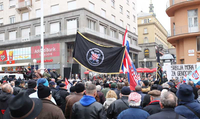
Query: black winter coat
x=166, y=113
x=117, y=107
x=153, y=107
x=63, y=94
x=30, y=91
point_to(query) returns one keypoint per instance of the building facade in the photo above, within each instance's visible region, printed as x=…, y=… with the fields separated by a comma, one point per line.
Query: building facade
x=103, y=21
x=185, y=33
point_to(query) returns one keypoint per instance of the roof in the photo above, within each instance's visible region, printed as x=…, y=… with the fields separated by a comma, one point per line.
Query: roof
x=143, y=14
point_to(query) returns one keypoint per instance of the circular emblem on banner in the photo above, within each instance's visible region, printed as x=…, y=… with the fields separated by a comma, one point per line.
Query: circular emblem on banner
x=95, y=56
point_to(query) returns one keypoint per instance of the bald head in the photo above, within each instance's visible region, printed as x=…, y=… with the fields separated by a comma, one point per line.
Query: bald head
x=168, y=99
x=191, y=83
x=7, y=88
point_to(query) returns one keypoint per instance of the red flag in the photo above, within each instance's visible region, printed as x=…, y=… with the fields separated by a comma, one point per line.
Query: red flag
x=66, y=82
x=3, y=55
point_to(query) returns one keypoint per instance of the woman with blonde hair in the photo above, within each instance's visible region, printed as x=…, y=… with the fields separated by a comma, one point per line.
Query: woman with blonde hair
x=111, y=96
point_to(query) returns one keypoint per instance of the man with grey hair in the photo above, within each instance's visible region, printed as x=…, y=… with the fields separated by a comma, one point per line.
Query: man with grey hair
x=88, y=107
x=168, y=102
x=118, y=89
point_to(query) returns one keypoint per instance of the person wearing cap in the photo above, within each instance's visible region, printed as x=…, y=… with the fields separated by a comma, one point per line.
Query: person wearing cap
x=49, y=110
x=31, y=87
x=29, y=108
x=134, y=111
x=145, y=87
x=113, y=86
x=71, y=99
x=168, y=102
x=105, y=89
x=154, y=106
x=52, y=86
x=88, y=107
x=187, y=106
x=172, y=87
x=45, y=83
x=119, y=105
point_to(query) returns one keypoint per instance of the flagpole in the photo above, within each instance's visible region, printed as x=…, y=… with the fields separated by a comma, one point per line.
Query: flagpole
x=42, y=37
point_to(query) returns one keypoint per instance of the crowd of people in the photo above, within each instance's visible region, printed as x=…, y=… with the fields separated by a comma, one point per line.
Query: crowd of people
x=46, y=97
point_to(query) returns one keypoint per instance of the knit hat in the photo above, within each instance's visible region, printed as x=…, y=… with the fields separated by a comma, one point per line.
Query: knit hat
x=43, y=91
x=62, y=85
x=125, y=90
x=134, y=97
x=79, y=87
x=113, y=85
x=185, y=93
x=42, y=81
x=31, y=84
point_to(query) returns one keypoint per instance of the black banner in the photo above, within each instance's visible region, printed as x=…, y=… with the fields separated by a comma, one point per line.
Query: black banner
x=96, y=57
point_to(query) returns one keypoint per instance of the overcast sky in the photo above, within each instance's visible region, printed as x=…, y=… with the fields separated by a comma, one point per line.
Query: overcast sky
x=159, y=9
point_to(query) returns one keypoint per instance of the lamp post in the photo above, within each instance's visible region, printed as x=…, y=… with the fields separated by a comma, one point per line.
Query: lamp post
x=42, y=37
x=34, y=62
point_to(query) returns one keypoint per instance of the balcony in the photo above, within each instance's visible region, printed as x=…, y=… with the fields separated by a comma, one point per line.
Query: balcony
x=183, y=32
x=173, y=5
x=24, y=5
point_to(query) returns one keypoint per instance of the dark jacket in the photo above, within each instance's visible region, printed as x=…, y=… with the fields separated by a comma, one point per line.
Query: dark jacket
x=117, y=92
x=4, y=102
x=142, y=96
x=184, y=111
x=16, y=90
x=70, y=100
x=128, y=114
x=30, y=91
x=88, y=108
x=54, y=91
x=63, y=94
x=166, y=113
x=101, y=97
x=117, y=107
x=195, y=92
x=50, y=111
x=153, y=107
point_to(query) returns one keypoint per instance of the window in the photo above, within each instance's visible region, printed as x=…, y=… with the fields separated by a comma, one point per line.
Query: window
x=193, y=20
x=103, y=13
x=54, y=9
x=134, y=42
x=133, y=18
x=71, y=26
x=91, y=6
x=113, y=33
x=121, y=23
x=198, y=43
x=12, y=3
x=91, y=24
x=25, y=16
x=12, y=19
x=38, y=12
x=146, y=40
x=121, y=36
x=121, y=9
x=113, y=3
x=146, y=21
x=1, y=6
x=146, y=53
x=2, y=36
x=145, y=31
x=38, y=30
x=128, y=14
x=127, y=2
x=134, y=30
x=148, y=64
x=1, y=21
x=133, y=5
x=129, y=39
x=54, y=28
x=103, y=29
x=12, y=35
x=113, y=18
x=71, y=5
x=128, y=27
x=26, y=33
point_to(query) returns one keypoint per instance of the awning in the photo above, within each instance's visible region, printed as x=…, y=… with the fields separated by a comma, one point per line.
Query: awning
x=15, y=65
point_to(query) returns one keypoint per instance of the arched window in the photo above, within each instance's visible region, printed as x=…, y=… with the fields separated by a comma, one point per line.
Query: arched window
x=146, y=53
x=146, y=40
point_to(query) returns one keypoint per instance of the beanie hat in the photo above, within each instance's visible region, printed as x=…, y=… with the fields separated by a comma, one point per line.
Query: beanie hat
x=31, y=84
x=62, y=85
x=125, y=90
x=79, y=87
x=43, y=91
x=113, y=85
x=72, y=89
x=42, y=81
x=134, y=97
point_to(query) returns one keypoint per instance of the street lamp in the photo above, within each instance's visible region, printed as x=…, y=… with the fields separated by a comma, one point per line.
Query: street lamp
x=145, y=62
x=34, y=62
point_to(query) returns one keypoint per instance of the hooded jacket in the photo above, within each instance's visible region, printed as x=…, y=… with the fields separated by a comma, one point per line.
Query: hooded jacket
x=108, y=102
x=88, y=108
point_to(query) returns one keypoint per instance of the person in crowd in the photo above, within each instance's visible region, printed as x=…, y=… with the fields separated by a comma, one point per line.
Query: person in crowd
x=37, y=74
x=191, y=83
x=110, y=98
x=187, y=107
x=165, y=86
x=168, y=102
x=22, y=85
x=72, y=90
x=119, y=105
x=92, y=108
x=113, y=86
x=106, y=89
x=5, y=97
x=32, y=87
x=100, y=94
x=154, y=106
x=52, y=86
x=16, y=89
x=138, y=89
x=63, y=94
x=145, y=87
x=165, y=78
x=46, y=74
x=172, y=87
x=49, y=110
x=146, y=100
x=23, y=107
x=45, y=83
x=198, y=99
x=134, y=104
x=71, y=99
x=118, y=89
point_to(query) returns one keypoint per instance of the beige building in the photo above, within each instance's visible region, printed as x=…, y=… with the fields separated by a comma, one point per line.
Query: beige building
x=103, y=21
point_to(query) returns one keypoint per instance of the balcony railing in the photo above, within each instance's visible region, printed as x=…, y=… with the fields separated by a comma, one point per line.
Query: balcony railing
x=173, y=2
x=184, y=30
x=24, y=5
